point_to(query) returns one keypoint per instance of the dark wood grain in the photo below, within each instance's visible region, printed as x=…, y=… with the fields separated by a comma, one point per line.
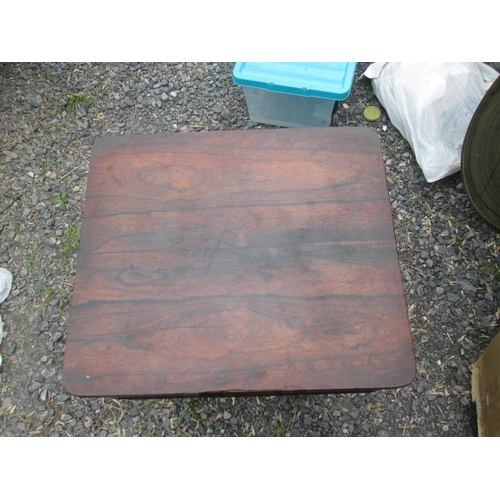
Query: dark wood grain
x=237, y=262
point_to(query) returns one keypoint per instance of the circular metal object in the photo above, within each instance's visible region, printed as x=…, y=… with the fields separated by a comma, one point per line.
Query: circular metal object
x=481, y=157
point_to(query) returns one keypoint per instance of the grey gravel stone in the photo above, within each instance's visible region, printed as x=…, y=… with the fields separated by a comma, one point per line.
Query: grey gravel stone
x=467, y=287
x=6, y=403
x=57, y=336
x=34, y=386
x=448, y=256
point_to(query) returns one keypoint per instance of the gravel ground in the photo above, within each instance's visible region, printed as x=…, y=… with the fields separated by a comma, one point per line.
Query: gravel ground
x=50, y=115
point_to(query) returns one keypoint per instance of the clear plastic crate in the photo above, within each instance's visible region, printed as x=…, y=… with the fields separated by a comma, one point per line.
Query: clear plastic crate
x=294, y=94
x=286, y=110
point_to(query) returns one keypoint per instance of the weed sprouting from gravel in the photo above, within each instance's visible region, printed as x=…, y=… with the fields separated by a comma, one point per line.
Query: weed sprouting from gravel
x=84, y=100
x=72, y=238
x=278, y=431
x=48, y=291
x=61, y=199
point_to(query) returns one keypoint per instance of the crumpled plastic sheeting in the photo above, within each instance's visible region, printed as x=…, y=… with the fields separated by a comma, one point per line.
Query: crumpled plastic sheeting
x=432, y=104
x=5, y=283
x=5, y=286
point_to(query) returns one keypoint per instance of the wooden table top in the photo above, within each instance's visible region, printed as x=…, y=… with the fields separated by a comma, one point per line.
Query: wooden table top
x=237, y=262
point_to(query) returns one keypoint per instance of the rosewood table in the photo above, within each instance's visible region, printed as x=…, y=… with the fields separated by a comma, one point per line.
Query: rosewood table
x=237, y=262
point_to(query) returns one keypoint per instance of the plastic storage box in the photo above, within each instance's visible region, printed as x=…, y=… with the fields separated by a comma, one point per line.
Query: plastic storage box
x=294, y=94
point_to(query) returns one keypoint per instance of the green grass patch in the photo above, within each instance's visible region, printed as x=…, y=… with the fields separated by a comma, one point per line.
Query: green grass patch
x=149, y=404
x=84, y=100
x=492, y=270
x=41, y=163
x=192, y=411
x=61, y=199
x=31, y=264
x=71, y=239
x=278, y=431
x=48, y=291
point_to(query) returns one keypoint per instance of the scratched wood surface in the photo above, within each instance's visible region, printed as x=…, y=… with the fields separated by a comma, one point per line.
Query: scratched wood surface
x=237, y=262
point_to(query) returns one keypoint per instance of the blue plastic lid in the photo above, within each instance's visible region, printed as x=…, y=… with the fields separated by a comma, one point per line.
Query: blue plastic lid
x=324, y=80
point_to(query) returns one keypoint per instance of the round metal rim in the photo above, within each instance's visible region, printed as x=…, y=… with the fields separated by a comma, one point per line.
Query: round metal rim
x=478, y=120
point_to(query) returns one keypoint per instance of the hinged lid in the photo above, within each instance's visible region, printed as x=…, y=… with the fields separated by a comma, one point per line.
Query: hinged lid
x=324, y=80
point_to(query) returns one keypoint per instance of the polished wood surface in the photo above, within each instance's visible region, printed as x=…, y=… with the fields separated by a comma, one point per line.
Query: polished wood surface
x=237, y=262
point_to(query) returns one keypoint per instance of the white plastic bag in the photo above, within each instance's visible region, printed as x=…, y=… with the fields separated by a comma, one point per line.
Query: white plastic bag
x=431, y=104
x=5, y=283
